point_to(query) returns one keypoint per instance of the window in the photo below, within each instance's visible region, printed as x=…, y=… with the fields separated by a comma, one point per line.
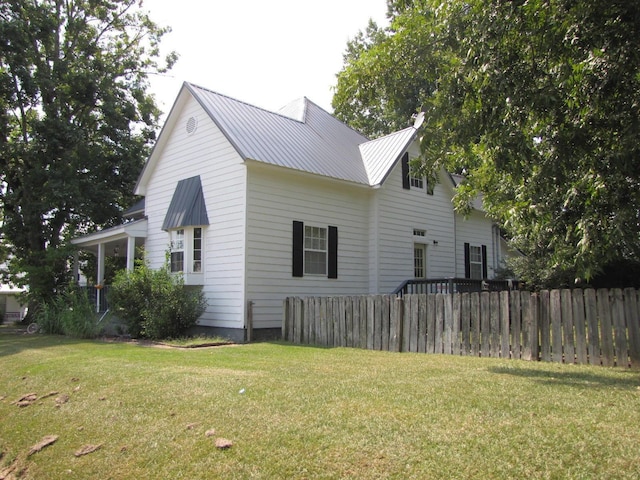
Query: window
x=315, y=250
x=475, y=261
x=419, y=233
x=186, y=250
x=177, y=250
x=420, y=260
x=417, y=182
x=197, y=250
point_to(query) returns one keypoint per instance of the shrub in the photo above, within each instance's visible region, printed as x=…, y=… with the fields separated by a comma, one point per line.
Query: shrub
x=69, y=313
x=155, y=303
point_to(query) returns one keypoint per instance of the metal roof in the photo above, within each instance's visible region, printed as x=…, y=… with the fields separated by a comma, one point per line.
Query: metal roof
x=304, y=137
x=380, y=155
x=187, y=207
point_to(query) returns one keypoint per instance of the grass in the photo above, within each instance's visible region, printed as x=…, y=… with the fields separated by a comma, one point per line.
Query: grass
x=196, y=341
x=309, y=413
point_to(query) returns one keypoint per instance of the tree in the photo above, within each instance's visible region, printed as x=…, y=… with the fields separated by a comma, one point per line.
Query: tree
x=538, y=102
x=76, y=123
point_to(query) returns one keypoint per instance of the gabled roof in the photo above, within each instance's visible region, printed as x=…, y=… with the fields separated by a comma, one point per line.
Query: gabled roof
x=301, y=136
x=187, y=207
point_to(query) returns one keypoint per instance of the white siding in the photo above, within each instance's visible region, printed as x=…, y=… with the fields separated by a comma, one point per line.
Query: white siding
x=277, y=197
x=399, y=212
x=206, y=153
x=476, y=229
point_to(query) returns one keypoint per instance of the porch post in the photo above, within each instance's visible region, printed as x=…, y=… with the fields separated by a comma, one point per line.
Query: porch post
x=131, y=253
x=99, y=274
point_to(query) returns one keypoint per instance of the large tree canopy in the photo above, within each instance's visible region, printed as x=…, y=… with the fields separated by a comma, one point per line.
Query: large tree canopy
x=538, y=101
x=76, y=122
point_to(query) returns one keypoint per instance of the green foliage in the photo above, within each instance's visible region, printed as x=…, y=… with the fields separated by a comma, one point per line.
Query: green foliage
x=155, y=303
x=76, y=123
x=69, y=313
x=538, y=102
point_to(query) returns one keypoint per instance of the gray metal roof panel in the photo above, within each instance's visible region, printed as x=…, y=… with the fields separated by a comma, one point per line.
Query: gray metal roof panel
x=187, y=207
x=318, y=143
x=380, y=155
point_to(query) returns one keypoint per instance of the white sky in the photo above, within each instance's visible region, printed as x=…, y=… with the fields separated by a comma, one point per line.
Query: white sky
x=263, y=52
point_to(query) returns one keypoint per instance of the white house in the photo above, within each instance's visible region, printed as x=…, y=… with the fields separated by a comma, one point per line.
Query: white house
x=255, y=206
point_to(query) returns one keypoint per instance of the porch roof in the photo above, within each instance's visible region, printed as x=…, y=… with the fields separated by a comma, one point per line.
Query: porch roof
x=114, y=236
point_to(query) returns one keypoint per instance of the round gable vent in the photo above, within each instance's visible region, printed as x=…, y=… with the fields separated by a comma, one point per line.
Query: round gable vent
x=192, y=125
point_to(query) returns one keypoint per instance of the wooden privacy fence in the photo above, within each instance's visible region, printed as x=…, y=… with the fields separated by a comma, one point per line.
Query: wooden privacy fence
x=599, y=327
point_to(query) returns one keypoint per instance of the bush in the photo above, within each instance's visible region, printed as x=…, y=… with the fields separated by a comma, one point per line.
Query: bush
x=69, y=313
x=155, y=303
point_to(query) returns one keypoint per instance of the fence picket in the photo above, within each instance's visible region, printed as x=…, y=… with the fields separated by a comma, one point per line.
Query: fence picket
x=422, y=323
x=555, y=312
x=593, y=338
x=504, y=324
x=475, y=324
x=494, y=300
x=606, y=327
x=516, y=325
x=579, y=322
x=447, y=331
x=631, y=315
x=567, y=326
x=619, y=328
x=413, y=324
x=465, y=323
x=545, y=326
x=455, y=332
x=395, y=325
x=439, y=323
x=527, y=319
x=485, y=324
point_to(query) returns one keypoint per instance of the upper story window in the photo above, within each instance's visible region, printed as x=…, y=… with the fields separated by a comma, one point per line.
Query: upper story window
x=417, y=182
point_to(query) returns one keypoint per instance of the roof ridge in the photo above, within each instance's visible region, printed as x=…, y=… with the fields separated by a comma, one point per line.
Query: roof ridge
x=233, y=99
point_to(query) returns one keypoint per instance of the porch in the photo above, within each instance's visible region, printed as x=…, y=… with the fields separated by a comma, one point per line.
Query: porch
x=125, y=240
x=453, y=285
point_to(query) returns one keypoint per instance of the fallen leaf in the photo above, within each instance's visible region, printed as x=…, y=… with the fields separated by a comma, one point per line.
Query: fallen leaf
x=46, y=441
x=87, y=449
x=50, y=394
x=102, y=399
x=210, y=433
x=26, y=400
x=223, y=443
x=191, y=426
x=75, y=379
x=62, y=399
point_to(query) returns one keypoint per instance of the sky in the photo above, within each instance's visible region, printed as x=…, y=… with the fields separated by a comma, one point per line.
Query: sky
x=263, y=52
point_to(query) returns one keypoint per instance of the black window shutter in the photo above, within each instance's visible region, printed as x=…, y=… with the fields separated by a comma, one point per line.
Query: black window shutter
x=467, y=262
x=405, y=171
x=333, y=253
x=484, y=261
x=298, y=249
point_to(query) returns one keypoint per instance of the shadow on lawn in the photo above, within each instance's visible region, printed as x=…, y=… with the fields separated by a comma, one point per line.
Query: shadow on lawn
x=621, y=379
x=15, y=339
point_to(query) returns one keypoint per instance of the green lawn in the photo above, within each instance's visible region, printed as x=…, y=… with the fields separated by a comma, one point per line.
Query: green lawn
x=308, y=413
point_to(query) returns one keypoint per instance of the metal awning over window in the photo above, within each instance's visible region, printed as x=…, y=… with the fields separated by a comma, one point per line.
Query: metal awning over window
x=187, y=206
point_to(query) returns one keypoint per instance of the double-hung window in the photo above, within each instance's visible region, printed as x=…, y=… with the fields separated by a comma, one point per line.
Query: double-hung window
x=475, y=261
x=315, y=250
x=186, y=250
x=177, y=250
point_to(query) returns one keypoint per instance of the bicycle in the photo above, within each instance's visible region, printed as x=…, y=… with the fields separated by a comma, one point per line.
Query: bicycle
x=33, y=328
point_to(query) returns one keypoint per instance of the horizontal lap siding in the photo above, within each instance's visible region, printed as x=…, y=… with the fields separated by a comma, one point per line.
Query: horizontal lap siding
x=206, y=153
x=475, y=229
x=277, y=197
x=399, y=212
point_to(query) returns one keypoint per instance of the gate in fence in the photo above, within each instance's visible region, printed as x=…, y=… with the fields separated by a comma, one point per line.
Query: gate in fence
x=599, y=327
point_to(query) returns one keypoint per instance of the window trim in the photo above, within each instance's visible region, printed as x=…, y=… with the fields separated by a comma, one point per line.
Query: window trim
x=298, y=251
x=467, y=260
x=188, y=249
